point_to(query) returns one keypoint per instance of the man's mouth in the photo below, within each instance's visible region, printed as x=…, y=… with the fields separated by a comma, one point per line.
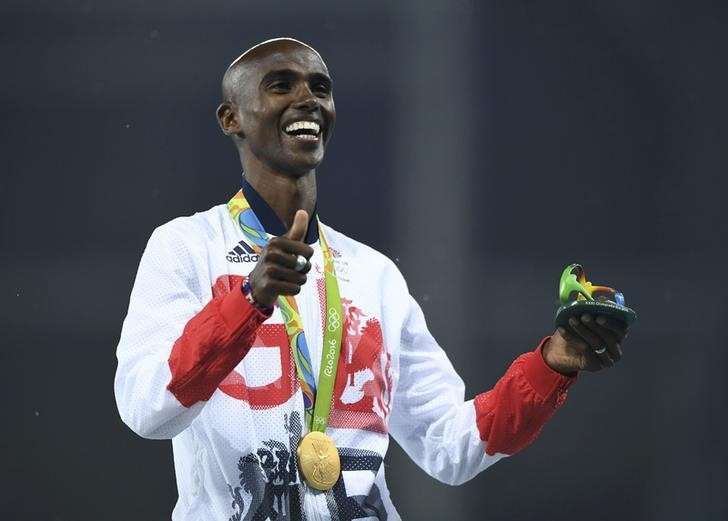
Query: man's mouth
x=304, y=130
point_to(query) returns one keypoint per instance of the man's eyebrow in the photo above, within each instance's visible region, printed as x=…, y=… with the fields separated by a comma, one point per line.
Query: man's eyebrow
x=321, y=77
x=279, y=73
x=290, y=73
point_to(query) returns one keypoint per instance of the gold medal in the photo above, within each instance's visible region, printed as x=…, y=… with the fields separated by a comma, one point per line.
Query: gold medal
x=318, y=460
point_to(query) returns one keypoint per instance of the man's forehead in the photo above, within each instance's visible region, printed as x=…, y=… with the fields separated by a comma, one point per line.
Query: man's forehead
x=296, y=60
x=280, y=52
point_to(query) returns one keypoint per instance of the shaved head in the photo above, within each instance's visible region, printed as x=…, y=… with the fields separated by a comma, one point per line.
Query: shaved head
x=278, y=107
x=233, y=82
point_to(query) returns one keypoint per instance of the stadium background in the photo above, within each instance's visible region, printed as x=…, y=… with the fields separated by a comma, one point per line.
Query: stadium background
x=483, y=145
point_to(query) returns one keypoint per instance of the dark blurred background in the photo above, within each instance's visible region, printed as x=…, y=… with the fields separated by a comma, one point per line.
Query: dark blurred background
x=482, y=145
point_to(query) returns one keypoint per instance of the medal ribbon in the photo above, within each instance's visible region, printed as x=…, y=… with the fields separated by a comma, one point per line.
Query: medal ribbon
x=316, y=399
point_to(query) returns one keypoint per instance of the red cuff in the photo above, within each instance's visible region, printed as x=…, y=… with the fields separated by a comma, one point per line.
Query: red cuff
x=544, y=380
x=235, y=309
x=213, y=342
x=511, y=415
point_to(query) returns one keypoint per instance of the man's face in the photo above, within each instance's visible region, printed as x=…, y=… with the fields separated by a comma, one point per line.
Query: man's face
x=286, y=108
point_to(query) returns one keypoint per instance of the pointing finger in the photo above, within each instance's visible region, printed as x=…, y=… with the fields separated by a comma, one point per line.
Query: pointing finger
x=288, y=247
x=287, y=260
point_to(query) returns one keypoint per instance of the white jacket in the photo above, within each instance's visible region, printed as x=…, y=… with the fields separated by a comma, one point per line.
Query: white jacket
x=200, y=365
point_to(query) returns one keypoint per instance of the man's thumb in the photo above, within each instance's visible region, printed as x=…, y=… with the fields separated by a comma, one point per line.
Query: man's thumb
x=299, y=226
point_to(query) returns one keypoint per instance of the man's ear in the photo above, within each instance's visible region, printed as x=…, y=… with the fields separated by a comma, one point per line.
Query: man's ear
x=227, y=118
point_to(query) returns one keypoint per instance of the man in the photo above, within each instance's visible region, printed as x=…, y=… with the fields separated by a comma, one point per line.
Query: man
x=279, y=354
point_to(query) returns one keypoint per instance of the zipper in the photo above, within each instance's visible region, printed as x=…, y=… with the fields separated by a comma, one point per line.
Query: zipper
x=313, y=315
x=312, y=504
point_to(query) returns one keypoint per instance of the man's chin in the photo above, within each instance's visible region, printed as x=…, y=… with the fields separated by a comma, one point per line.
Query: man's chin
x=301, y=164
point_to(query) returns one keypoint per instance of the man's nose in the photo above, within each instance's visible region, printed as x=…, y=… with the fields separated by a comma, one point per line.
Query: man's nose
x=305, y=99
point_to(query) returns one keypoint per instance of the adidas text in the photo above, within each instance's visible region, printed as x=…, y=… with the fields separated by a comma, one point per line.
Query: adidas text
x=243, y=258
x=242, y=253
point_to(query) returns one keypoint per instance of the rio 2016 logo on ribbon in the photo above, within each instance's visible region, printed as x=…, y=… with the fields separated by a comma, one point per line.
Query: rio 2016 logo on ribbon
x=330, y=355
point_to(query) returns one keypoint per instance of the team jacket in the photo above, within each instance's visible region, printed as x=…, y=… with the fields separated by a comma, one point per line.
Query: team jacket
x=199, y=365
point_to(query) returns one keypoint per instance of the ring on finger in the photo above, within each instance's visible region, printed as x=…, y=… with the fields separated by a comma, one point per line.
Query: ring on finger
x=300, y=263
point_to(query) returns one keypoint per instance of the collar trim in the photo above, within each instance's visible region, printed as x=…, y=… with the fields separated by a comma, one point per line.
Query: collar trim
x=270, y=221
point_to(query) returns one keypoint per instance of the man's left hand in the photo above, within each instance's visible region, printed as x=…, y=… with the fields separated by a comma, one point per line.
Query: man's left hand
x=569, y=351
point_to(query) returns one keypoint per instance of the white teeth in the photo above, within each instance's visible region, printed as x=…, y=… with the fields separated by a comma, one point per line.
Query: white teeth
x=298, y=125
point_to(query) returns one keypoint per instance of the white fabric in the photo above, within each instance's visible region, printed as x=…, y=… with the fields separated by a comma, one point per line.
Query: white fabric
x=422, y=400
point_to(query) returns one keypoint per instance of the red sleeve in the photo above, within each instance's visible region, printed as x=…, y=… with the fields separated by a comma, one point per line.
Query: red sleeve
x=213, y=342
x=511, y=415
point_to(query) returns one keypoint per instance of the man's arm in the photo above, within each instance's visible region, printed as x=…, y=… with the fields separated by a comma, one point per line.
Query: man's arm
x=174, y=350
x=511, y=415
x=453, y=439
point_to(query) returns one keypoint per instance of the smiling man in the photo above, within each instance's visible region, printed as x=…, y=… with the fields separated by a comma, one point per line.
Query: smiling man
x=279, y=355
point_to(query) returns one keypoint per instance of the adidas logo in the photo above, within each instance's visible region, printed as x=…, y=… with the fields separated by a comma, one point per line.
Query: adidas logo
x=242, y=253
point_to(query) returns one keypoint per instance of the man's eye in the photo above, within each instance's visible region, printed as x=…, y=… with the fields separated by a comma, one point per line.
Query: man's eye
x=321, y=88
x=280, y=86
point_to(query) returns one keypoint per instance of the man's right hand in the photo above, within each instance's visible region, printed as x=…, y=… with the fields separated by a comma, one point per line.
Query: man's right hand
x=274, y=274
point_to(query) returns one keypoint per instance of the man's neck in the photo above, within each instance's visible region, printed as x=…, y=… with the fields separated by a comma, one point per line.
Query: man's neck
x=284, y=193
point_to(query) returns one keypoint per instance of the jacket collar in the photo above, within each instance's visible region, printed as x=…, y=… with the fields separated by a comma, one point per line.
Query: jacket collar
x=269, y=219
